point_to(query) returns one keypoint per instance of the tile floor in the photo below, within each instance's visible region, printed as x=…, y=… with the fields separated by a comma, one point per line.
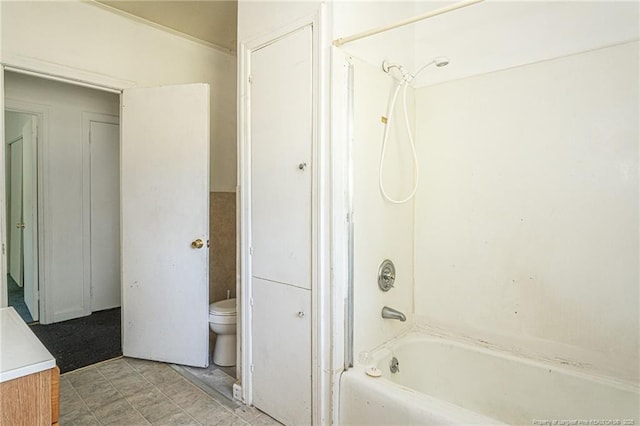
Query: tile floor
x=129, y=392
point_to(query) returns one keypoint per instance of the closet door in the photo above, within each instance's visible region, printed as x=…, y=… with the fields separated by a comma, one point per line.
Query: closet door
x=281, y=137
x=281, y=187
x=104, y=160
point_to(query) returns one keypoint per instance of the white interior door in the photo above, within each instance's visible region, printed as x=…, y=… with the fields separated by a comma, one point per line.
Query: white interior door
x=15, y=213
x=165, y=207
x=281, y=188
x=104, y=141
x=30, y=216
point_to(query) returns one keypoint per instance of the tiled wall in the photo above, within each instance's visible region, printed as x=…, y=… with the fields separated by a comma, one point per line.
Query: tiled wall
x=222, y=253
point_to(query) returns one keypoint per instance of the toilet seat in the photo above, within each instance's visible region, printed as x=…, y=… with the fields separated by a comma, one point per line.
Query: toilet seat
x=223, y=308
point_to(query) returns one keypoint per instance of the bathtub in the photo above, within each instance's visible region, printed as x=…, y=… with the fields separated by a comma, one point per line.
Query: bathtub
x=443, y=381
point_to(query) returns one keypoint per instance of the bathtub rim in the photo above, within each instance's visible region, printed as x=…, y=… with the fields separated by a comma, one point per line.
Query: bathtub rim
x=442, y=408
x=421, y=333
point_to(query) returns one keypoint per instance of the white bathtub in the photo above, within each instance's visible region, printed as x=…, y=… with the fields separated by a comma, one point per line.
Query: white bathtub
x=447, y=382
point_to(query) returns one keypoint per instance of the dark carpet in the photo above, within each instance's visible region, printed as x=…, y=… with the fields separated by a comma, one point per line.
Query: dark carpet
x=82, y=341
x=16, y=299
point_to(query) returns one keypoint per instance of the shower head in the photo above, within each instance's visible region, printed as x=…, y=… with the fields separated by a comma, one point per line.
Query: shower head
x=441, y=61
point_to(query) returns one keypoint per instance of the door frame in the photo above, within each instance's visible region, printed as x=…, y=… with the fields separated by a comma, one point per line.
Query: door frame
x=40, y=69
x=322, y=353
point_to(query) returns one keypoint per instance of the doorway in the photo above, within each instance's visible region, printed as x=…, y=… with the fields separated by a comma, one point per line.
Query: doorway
x=21, y=131
x=62, y=153
x=158, y=178
x=71, y=204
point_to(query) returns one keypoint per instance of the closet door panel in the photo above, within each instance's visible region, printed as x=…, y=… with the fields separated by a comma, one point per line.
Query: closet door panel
x=282, y=351
x=281, y=162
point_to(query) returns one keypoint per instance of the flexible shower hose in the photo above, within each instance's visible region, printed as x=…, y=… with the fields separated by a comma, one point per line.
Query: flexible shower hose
x=416, y=173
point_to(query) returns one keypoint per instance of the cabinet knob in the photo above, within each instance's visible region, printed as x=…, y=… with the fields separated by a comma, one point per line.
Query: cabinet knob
x=302, y=166
x=300, y=314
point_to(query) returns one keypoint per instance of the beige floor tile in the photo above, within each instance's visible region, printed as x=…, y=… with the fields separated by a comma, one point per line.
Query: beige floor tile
x=184, y=394
x=177, y=419
x=179, y=385
x=132, y=392
x=247, y=413
x=204, y=408
x=84, y=377
x=99, y=396
x=159, y=411
x=132, y=385
x=131, y=420
x=264, y=420
x=148, y=400
x=81, y=417
x=66, y=389
x=88, y=388
x=114, y=411
x=145, y=366
x=222, y=418
x=72, y=404
x=163, y=377
x=116, y=369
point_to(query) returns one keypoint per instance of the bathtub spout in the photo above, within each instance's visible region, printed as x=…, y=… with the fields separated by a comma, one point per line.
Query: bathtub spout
x=390, y=313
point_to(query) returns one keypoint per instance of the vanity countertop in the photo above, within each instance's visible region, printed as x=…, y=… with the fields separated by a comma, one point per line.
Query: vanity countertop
x=21, y=353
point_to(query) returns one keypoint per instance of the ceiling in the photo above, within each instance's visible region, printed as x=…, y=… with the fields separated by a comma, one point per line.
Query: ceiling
x=482, y=38
x=214, y=21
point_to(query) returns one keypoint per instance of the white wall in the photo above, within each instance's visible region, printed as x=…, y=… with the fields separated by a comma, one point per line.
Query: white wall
x=382, y=230
x=13, y=124
x=61, y=153
x=260, y=18
x=353, y=17
x=483, y=37
x=104, y=46
x=526, y=228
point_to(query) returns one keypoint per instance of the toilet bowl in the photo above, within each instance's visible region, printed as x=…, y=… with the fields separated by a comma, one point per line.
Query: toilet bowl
x=222, y=321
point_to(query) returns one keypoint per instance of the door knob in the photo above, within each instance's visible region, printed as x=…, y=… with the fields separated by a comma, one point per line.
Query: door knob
x=20, y=225
x=197, y=244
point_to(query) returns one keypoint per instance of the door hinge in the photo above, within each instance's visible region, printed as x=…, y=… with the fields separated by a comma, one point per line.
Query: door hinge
x=251, y=301
x=3, y=249
x=250, y=251
x=251, y=368
x=250, y=79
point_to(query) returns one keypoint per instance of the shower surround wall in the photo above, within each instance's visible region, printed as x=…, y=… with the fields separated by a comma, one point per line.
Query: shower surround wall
x=382, y=230
x=526, y=230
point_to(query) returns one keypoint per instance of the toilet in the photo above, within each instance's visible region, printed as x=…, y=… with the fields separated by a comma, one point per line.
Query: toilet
x=222, y=321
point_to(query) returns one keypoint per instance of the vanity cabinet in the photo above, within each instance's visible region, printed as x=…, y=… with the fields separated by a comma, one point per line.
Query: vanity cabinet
x=29, y=378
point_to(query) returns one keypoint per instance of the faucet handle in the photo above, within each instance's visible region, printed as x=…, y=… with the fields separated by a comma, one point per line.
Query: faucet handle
x=386, y=275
